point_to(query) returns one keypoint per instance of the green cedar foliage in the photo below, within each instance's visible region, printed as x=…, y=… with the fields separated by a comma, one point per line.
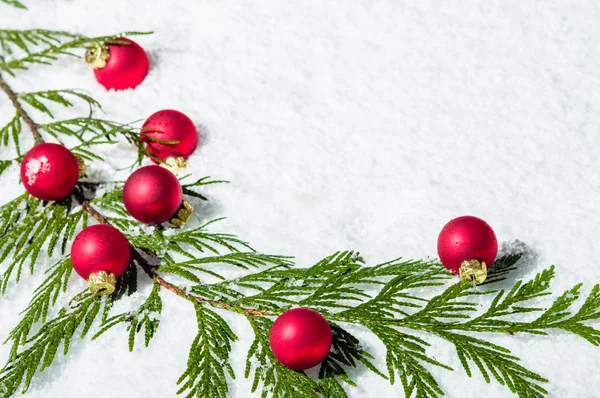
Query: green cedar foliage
x=14, y=3
x=23, y=49
x=401, y=303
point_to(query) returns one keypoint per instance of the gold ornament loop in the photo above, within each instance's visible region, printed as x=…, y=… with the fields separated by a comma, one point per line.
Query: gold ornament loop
x=175, y=164
x=184, y=213
x=97, y=55
x=473, y=271
x=81, y=165
x=102, y=283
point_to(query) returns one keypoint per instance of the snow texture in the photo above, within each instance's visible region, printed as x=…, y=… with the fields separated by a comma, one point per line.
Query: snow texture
x=353, y=124
x=35, y=167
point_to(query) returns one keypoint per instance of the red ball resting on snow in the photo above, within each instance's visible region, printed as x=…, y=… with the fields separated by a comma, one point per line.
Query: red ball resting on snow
x=120, y=65
x=152, y=194
x=49, y=171
x=467, y=246
x=100, y=254
x=300, y=338
x=170, y=125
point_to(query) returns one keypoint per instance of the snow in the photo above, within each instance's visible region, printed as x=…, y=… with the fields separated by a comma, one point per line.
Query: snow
x=352, y=124
x=34, y=167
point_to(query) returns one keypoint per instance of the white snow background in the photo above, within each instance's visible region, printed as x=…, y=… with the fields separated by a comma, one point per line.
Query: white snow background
x=352, y=124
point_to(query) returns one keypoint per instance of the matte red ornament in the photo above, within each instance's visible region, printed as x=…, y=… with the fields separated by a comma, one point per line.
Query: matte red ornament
x=463, y=240
x=49, y=171
x=100, y=254
x=170, y=125
x=118, y=66
x=300, y=338
x=152, y=195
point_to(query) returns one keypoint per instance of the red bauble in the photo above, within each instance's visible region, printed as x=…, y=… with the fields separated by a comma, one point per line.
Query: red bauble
x=170, y=125
x=100, y=254
x=49, y=171
x=466, y=238
x=300, y=338
x=126, y=66
x=152, y=194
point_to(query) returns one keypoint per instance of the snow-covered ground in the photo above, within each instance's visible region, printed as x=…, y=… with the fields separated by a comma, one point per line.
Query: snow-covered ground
x=354, y=124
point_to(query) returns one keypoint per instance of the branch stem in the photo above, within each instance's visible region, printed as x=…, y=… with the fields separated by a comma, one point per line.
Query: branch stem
x=150, y=270
x=14, y=98
x=146, y=266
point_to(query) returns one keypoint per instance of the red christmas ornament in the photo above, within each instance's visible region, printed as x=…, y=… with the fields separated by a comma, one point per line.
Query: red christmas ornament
x=300, y=338
x=49, y=171
x=120, y=65
x=153, y=195
x=170, y=125
x=100, y=254
x=467, y=246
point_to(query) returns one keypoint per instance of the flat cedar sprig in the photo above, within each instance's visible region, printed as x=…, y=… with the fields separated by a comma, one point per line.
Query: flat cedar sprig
x=14, y=3
x=40, y=52
x=394, y=300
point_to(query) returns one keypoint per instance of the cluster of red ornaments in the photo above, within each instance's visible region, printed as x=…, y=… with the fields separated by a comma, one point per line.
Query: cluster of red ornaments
x=300, y=338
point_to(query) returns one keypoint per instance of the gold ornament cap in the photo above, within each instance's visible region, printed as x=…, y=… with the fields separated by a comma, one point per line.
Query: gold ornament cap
x=102, y=283
x=81, y=165
x=184, y=213
x=175, y=164
x=97, y=55
x=473, y=271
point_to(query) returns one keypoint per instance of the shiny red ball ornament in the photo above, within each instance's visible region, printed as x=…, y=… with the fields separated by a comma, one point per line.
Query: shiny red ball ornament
x=152, y=195
x=100, y=254
x=467, y=246
x=120, y=65
x=49, y=171
x=170, y=125
x=300, y=338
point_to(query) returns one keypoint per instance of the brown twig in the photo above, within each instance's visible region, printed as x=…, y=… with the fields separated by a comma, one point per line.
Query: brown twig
x=94, y=213
x=15, y=101
x=151, y=271
x=136, y=255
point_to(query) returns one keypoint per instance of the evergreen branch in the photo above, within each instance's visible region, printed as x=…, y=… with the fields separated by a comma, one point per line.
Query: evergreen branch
x=15, y=3
x=279, y=286
x=43, y=346
x=208, y=363
x=504, y=305
x=179, y=241
x=244, y=260
x=147, y=316
x=52, y=51
x=491, y=358
x=112, y=200
x=405, y=359
x=339, y=282
x=25, y=40
x=79, y=126
x=339, y=286
x=278, y=381
x=396, y=296
x=17, y=105
x=11, y=132
x=44, y=297
x=29, y=225
x=150, y=270
x=61, y=97
x=4, y=164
